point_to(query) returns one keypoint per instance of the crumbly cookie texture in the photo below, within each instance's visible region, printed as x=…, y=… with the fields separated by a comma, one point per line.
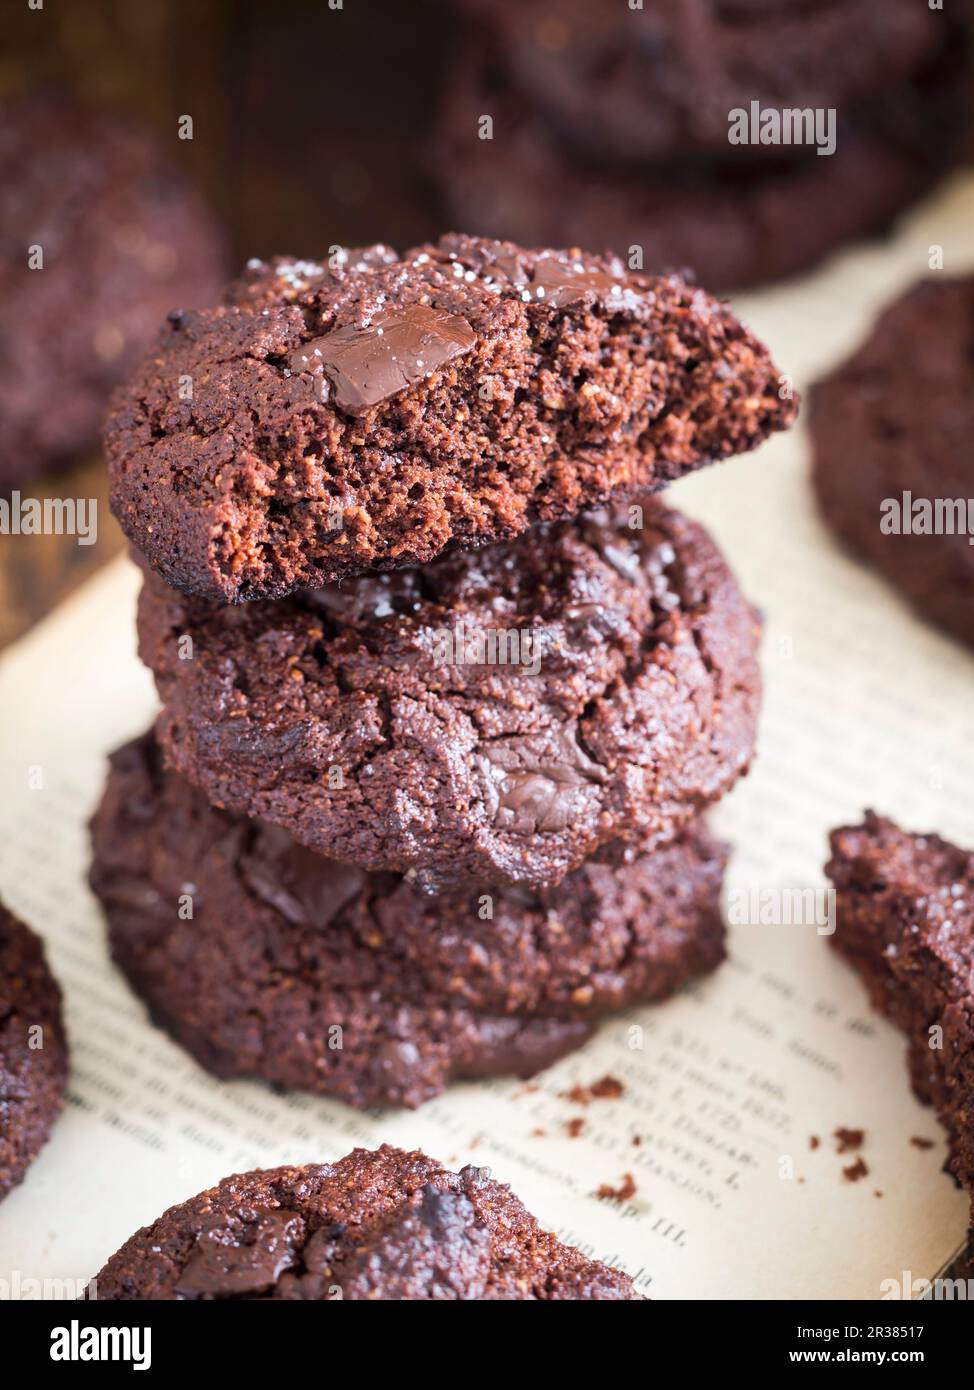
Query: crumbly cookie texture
x=319, y=976
x=33, y=1051
x=376, y=723
x=905, y=922
x=902, y=407
x=329, y=420
x=380, y=1224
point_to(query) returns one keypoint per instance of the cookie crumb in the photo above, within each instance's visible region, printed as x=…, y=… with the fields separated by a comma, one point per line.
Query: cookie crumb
x=622, y=1193
x=606, y=1088
x=848, y=1140
x=854, y=1171
x=578, y=1095
x=574, y=1126
x=919, y=1142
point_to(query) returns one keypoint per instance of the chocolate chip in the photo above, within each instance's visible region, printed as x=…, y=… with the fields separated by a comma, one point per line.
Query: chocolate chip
x=564, y=286
x=367, y=365
x=532, y=783
x=241, y=1257
x=300, y=885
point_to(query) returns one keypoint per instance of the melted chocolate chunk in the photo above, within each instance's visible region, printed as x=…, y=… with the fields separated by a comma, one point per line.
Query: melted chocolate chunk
x=565, y=286
x=304, y=888
x=433, y=1248
x=533, y=781
x=368, y=364
x=492, y=388
x=242, y=1255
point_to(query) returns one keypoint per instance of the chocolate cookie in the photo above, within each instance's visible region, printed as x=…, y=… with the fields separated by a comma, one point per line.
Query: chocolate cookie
x=263, y=959
x=378, y=1225
x=99, y=239
x=33, y=1051
x=330, y=421
x=891, y=434
x=656, y=83
x=905, y=922
x=494, y=716
x=734, y=224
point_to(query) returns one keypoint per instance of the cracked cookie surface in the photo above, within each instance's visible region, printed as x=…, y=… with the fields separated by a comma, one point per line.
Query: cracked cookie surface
x=318, y=976
x=383, y=722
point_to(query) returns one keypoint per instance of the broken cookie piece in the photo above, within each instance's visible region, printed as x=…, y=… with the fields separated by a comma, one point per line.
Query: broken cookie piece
x=374, y=412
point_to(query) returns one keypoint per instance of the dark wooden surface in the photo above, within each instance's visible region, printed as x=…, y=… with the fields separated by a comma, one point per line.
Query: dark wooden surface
x=311, y=129
x=37, y=572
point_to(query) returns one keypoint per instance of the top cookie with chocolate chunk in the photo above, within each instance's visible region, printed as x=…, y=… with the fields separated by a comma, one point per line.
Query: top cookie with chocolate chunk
x=374, y=412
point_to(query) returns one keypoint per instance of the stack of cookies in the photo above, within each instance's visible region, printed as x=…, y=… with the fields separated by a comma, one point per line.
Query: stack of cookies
x=746, y=138
x=446, y=689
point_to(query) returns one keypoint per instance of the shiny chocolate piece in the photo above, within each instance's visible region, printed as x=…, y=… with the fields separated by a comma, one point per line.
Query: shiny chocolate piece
x=369, y=363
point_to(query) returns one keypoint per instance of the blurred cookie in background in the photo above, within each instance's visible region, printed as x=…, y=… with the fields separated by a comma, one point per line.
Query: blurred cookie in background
x=656, y=82
x=891, y=448
x=33, y=1050
x=579, y=125
x=100, y=238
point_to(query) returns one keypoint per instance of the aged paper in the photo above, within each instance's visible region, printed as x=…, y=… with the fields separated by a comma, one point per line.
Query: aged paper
x=724, y=1087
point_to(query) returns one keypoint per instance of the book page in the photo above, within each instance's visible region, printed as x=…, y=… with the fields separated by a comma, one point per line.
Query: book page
x=722, y=1140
